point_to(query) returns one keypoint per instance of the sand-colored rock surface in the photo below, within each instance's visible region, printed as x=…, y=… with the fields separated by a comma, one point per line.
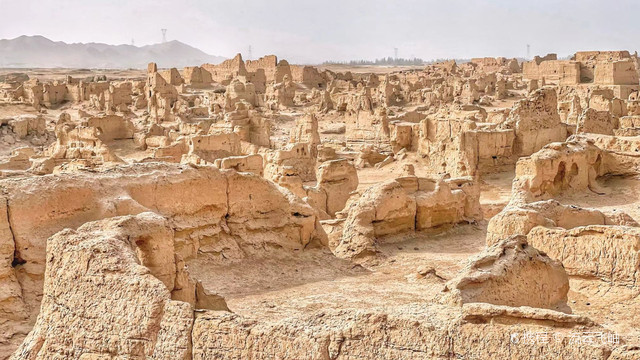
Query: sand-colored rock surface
x=258, y=209
x=122, y=263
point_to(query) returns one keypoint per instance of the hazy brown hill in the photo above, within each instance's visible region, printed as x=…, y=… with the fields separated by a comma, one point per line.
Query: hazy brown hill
x=38, y=51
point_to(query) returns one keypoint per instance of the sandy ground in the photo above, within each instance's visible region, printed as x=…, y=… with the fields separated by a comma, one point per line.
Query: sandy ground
x=61, y=73
x=285, y=285
x=366, y=68
x=621, y=193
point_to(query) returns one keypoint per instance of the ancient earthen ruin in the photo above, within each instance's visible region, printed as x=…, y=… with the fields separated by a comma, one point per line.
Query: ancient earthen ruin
x=259, y=209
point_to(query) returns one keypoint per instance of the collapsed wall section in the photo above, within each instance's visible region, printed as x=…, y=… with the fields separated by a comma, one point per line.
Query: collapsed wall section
x=405, y=204
x=100, y=300
x=223, y=214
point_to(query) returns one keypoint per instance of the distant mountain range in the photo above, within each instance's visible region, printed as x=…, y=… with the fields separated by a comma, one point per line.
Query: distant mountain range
x=40, y=52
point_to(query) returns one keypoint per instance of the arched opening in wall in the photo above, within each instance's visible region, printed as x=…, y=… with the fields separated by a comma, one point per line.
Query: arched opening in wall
x=573, y=172
x=144, y=248
x=597, y=164
x=560, y=176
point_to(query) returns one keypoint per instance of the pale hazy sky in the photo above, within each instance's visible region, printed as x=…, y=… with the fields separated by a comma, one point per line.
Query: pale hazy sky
x=305, y=31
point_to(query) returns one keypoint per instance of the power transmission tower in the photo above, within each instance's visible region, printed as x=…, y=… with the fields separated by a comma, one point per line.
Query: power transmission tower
x=395, y=52
x=133, y=42
x=528, y=51
x=164, y=35
x=249, y=56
